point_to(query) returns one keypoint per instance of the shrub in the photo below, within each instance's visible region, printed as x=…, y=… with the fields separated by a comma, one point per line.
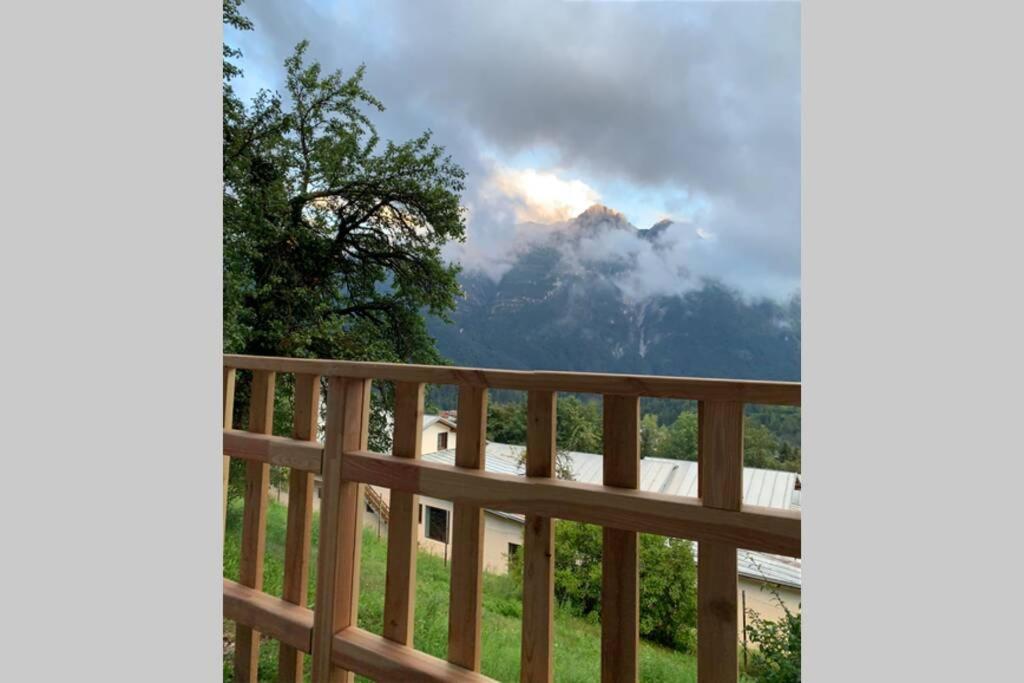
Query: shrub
x=777, y=659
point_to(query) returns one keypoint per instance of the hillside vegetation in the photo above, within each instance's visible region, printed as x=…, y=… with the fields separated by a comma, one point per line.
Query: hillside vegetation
x=577, y=641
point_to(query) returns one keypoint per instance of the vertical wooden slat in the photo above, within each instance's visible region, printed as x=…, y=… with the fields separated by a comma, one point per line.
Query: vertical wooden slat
x=341, y=513
x=467, y=537
x=620, y=579
x=306, y=415
x=538, y=546
x=254, y=528
x=400, y=583
x=721, y=484
x=229, y=410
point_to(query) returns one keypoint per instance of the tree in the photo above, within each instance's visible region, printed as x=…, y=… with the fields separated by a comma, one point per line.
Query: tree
x=506, y=422
x=652, y=436
x=681, y=441
x=668, y=581
x=579, y=425
x=331, y=238
x=759, y=447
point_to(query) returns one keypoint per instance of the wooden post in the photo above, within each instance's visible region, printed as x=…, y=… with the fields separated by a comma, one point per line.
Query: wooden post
x=400, y=583
x=300, y=520
x=721, y=484
x=538, y=546
x=229, y=410
x=341, y=507
x=620, y=578
x=467, y=536
x=254, y=527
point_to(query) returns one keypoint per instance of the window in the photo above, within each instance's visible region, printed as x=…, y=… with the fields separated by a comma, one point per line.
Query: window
x=420, y=521
x=513, y=552
x=437, y=524
x=442, y=441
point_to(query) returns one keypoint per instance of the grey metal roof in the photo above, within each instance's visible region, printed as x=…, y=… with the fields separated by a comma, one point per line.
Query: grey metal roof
x=500, y=460
x=766, y=488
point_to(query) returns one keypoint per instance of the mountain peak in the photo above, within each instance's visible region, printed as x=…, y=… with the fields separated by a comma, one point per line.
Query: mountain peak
x=598, y=219
x=656, y=231
x=598, y=211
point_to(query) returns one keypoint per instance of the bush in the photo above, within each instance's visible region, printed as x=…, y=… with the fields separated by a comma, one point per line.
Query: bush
x=668, y=581
x=777, y=659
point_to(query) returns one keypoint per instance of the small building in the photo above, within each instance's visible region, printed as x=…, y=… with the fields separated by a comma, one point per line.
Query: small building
x=438, y=432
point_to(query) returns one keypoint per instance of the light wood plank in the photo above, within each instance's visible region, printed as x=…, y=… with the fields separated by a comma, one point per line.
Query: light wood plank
x=721, y=476
x=306, y=416
x=274, y=450
x=465, y=608
x=254, y=526
x=536, y=662
x=384, y=660
x=403, y=520
x=279, y=619
x=341, y=512
x=229, y=411
x=620, y=578
x=692, y=388
x=754, y=528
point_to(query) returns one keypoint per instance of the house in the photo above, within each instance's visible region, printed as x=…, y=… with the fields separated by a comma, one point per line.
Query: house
x=438, y=432
x=764, y=579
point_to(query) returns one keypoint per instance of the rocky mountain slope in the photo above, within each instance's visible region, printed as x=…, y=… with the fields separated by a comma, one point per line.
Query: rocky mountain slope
x=597, y=294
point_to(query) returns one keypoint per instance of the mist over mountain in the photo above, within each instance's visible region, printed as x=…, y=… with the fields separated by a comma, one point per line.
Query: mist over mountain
x=597, y=294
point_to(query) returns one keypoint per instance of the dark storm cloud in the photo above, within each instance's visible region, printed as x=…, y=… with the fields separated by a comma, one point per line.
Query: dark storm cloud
x=694, y=98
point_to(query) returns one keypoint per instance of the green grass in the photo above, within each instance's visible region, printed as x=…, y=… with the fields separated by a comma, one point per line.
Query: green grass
x=577, y=641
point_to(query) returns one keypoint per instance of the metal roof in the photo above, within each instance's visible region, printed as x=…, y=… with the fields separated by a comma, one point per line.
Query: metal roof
x=766, y=488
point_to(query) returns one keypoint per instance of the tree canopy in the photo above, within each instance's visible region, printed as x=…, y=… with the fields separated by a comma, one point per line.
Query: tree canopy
x=331, y=237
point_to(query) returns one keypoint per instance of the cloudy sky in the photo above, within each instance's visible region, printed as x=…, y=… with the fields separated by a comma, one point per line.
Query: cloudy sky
x=680, y=110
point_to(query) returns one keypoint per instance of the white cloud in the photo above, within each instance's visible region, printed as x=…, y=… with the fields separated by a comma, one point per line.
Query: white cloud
x=539, y=196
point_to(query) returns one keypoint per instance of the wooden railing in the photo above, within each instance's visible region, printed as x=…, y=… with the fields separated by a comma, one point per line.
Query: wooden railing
x=377, y=502
x=717, y=519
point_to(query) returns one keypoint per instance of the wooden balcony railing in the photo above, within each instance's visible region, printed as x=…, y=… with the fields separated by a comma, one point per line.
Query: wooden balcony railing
x=717, y=519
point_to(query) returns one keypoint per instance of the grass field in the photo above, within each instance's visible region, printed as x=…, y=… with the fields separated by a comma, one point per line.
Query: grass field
x=577, y=641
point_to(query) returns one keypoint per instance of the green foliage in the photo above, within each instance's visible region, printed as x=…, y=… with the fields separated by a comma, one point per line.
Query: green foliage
x=761, y=446
x=332, y=239
x=579, y=425
x=506, y=422
x=777, y=657
x=668, y=582
x=652, y=436
x=681, y=441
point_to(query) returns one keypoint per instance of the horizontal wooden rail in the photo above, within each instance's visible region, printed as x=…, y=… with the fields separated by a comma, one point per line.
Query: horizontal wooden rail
x=751, y=527
x=291, y=624
x=274, y=450
x=745, y=391
x=383, y=660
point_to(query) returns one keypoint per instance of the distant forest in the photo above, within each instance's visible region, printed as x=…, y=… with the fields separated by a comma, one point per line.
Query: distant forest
x=668, y=427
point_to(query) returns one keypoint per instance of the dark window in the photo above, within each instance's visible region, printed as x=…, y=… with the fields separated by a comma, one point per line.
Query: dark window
x=442, y=441
x=513, y=551
x=421, y=515
x=437, y=524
